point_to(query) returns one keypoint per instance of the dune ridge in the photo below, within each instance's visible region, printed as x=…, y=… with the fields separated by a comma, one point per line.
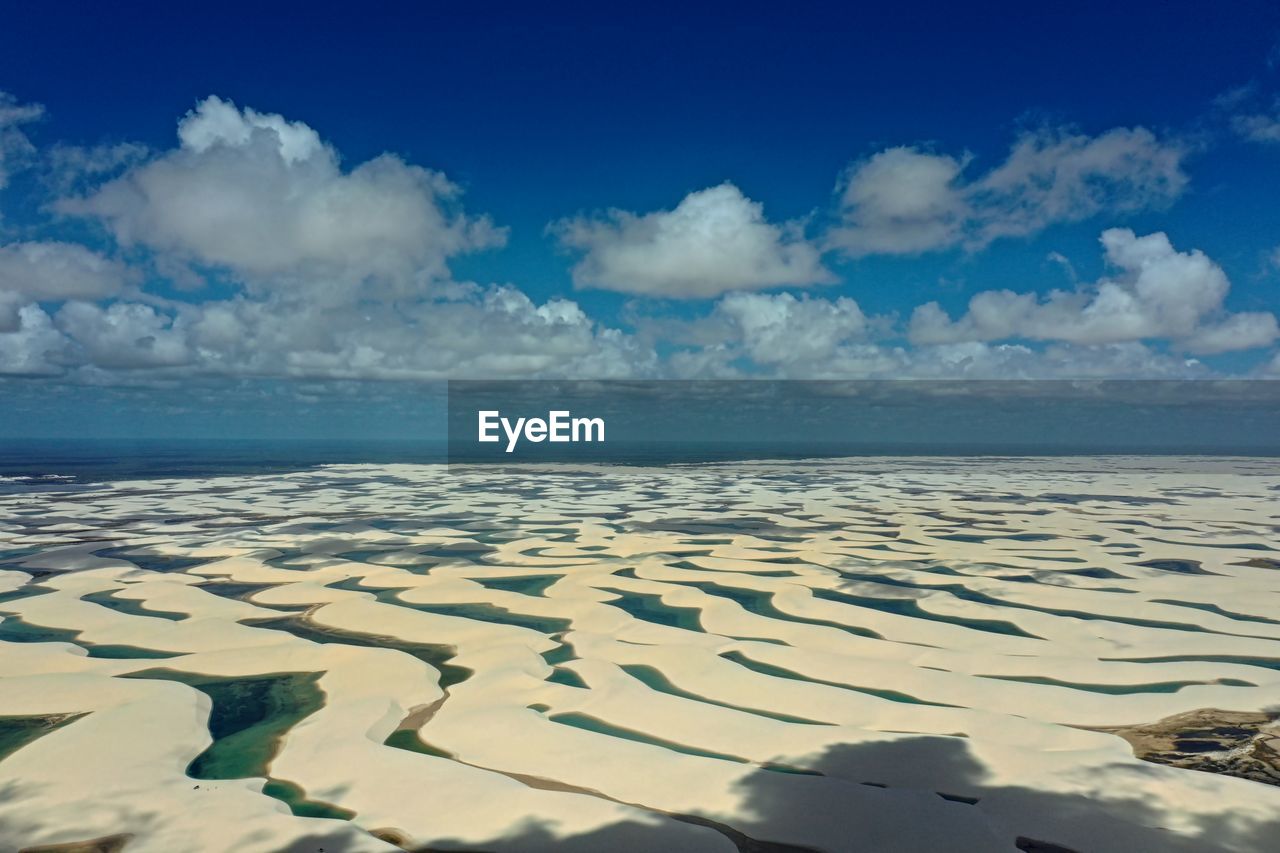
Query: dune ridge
x=862, y=654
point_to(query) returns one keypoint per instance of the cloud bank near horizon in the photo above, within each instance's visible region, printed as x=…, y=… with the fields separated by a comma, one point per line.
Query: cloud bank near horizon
x=250, y=249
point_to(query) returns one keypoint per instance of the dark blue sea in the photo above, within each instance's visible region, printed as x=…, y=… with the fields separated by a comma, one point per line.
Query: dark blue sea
x=44, y=464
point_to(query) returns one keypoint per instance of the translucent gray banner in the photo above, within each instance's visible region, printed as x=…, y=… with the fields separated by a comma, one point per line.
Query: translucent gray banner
x=691, y=421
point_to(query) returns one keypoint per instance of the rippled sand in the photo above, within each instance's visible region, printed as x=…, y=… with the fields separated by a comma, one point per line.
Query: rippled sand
x=869, y=655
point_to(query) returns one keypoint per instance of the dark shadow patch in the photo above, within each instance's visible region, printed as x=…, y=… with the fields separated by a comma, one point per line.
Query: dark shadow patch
x=19, y=730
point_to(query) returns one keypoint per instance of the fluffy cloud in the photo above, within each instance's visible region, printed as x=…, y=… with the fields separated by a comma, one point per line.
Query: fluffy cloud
x=905, y=200
x=123, y=336
x=902, y=201
x=466, y=330
x=53, y=272
x=343, y=274
x=500, y=332
x=496, y=331
x=1067, y=177
x=56, y=271
x=1158, y=293
x=268, y=200
x=716, y=240
x=15, y=149
x=809, y=338
x=34, y=348
x=1136, y=322
x=781, y=329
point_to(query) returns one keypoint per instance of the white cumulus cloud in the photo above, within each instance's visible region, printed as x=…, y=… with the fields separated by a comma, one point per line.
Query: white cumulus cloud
x=902, y=201
x=341, y=273
x=716, y=240
x=475, y=332
x=122, y=336
x=907, y=200
x=784, y=330
x=53, y=272
x=34, y=348
x=268, y=200
x=1156, y=293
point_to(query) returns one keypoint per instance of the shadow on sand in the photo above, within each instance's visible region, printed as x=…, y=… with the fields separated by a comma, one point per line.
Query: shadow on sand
x=1017, y=818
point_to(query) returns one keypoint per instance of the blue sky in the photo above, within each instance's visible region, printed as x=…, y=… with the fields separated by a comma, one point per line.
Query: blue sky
x=311, y=196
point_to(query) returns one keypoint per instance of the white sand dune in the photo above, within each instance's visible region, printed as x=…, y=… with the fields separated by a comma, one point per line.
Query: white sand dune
x=862, y=655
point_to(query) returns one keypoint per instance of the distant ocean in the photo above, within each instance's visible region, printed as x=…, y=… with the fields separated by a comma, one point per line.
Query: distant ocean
x=44, y=464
